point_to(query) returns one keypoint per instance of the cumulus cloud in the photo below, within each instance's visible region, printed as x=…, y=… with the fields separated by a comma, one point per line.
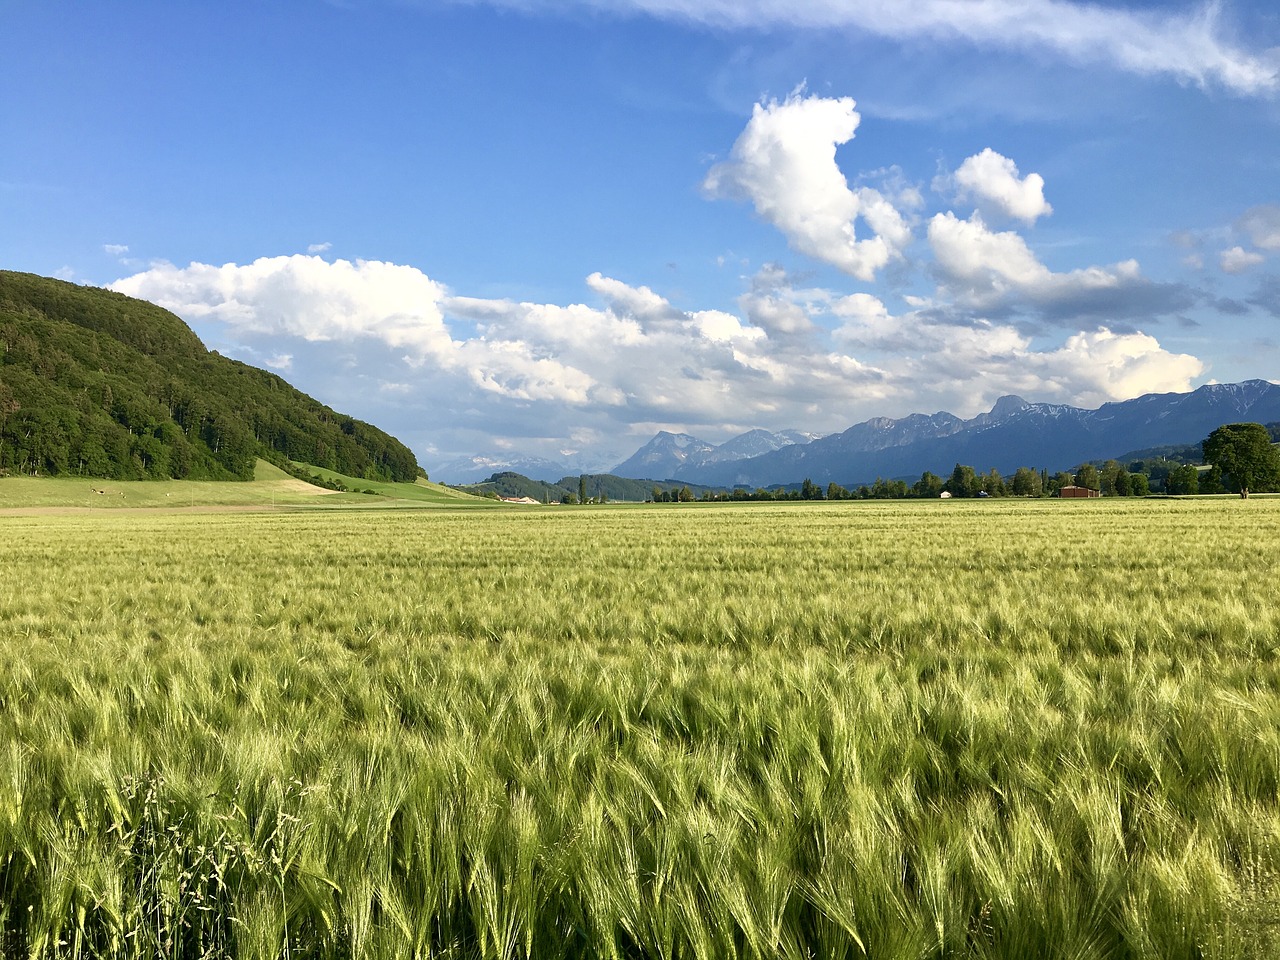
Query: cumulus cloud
x=1237, y=259
x=970, y=253
x=115, y=249
x=305, y=297
x=963, y=368
x=995, y=271
x=992, y=182
x=448, y=372
x=317, y=248
x=639, y=303
x=1101, y=365
x=1262, y=226
x=312, y=300
x=784, y=163
x=1190, y=45
x=500, y=366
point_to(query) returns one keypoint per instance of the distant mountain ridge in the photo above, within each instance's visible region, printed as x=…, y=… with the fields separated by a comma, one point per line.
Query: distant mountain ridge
x=672, y=455
x=472, y=470
x=1013, y=433
x=464, y=471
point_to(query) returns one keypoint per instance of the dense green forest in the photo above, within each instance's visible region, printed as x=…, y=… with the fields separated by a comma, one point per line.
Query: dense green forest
x=96, y=383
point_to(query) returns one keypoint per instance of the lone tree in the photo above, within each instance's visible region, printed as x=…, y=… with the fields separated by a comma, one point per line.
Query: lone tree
x=1244, y=454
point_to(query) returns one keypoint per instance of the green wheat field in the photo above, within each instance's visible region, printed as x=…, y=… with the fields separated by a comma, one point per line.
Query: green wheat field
x=1002, y=729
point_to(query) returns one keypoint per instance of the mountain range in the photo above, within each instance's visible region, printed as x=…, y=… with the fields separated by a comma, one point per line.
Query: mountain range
x=475, y=469
x=659, y=458
x=673, y=455
x=1013, y=433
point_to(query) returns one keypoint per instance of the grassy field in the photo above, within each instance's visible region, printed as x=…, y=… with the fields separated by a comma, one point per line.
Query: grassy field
x=930, y=730
x=271, y=487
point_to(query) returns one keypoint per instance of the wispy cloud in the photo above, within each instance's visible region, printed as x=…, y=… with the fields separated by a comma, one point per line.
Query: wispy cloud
x=1262, y=225
x=1190, y=47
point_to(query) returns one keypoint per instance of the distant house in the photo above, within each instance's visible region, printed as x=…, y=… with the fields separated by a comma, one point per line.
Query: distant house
x=945, y=495
x=1074, y=492
x=536, y=503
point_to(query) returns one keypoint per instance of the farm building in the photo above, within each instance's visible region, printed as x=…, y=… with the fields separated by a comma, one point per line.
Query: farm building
x=1076, y=492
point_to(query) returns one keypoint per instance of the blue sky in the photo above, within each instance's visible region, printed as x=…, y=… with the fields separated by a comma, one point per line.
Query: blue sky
x=552, y=227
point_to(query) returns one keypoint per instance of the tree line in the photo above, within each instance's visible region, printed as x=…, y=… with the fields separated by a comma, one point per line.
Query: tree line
x=1240, y=458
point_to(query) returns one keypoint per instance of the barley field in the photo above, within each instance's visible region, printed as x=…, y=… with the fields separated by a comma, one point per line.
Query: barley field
x=1003, y=729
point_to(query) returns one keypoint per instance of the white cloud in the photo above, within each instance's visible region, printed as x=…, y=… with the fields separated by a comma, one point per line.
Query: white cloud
x=988, y=270
x=1189, y=46
x=1237, y=259
x=305, y=297
x=516, y=370
x=639, y=303
x=992, y=181
x=316, y=248
x=1262, y=225
x=1098, y=366
x=367, y=302
x=964, y=368
x=724, y=327
x=784, y=162
x=115, y=249
x=971, y=254
x=777, y=317
x=387, y=343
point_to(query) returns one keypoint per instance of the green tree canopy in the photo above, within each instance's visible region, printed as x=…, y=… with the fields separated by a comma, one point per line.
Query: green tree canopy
x=929, y=485
x=1244, y=454
x=1026, y=483
x=963, y=482
x=100, y=384
x=1182, y=481
x=1087, y=476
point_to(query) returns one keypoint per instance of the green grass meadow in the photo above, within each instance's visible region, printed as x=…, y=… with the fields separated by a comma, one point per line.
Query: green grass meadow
x=270, y=488
x=981, y=729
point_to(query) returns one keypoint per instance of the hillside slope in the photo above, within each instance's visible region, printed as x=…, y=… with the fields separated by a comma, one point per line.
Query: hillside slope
x=99, y=384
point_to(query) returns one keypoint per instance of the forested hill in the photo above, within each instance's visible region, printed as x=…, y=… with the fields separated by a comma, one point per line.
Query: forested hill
x=96, y=383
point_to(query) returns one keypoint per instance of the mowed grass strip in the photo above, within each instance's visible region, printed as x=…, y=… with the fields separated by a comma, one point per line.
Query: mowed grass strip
x=852, y=730
x=271, y=488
